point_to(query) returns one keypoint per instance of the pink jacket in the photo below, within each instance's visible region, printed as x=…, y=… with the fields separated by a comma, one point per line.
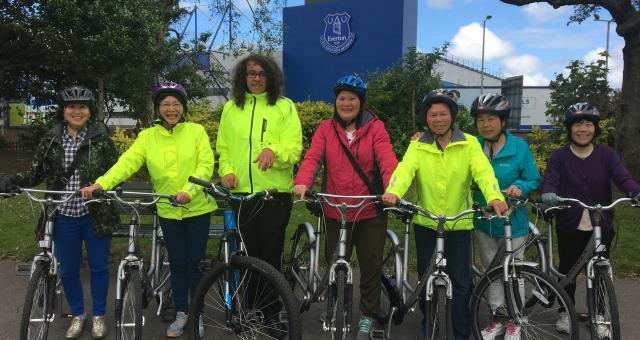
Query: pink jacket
x=370, y=141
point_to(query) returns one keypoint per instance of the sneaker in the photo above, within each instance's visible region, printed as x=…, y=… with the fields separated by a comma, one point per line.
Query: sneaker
x=364, y=327
x=99, y=327
x=563, y=324
x=601, y=328
x=75, y=329
x=513, y=331
x=492, y=330
x=177, y=327
x=201, y=326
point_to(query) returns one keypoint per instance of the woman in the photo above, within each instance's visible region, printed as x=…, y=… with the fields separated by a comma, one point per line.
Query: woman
x=358, y=131
x=582, y=170
x=517, y=175
x=172, y=151
x=69, y=157
x=444, y=161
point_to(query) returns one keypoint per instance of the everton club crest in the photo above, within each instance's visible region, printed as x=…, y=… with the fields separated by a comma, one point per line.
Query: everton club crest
x=337, y=36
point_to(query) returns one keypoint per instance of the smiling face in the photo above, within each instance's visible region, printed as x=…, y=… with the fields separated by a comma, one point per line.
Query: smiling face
x=583, y=132
x=77, y=115
x=347, y=105
x=256, y=78
x=170, y=110
x=439, y=118
x=489, y=125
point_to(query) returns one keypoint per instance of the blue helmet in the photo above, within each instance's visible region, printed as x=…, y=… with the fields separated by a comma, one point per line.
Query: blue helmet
x=351, y=83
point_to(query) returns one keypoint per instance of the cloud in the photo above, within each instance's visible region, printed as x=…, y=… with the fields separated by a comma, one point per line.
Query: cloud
x=543, y=12
x=467, y=43
x=440, y=4
x=616, y=63
x=537, y=37
x=527, y=65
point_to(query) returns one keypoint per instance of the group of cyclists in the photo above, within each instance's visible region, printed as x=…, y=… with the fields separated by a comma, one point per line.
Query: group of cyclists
x=259, y=142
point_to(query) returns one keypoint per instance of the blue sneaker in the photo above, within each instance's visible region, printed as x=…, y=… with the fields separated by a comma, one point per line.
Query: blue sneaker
x=364, y=328
x=177, y=327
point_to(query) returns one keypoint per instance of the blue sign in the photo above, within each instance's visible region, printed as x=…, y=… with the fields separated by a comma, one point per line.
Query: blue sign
x=337, y=36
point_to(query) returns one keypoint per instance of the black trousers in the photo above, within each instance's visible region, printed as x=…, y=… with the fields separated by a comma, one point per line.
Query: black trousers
x=570, y=247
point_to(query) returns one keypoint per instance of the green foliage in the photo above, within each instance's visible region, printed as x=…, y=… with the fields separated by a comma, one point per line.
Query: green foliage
x=204, y=114
x=42, y=123
x=396, y=93
x=3, y=143
x=584, y=83
x=122, y=140
x=311, y=114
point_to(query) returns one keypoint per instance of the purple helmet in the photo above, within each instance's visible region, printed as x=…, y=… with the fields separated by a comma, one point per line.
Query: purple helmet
x=168, y=87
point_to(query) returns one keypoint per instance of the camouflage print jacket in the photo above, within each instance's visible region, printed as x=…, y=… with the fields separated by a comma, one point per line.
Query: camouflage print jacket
x=48, y=165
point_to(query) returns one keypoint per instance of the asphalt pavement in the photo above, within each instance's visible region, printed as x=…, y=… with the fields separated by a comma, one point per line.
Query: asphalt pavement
x=13, y=287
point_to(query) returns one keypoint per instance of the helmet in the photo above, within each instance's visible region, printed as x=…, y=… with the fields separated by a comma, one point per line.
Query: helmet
x=492, y=103
x=168, y=87
x=76, y=93
x=351, y=83
x=444, y=96
x=580, y=111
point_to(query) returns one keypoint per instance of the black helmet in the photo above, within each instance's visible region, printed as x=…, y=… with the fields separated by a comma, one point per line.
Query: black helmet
x=444, y=96
x=581, y=111
x=76, y=93
x=492, y=103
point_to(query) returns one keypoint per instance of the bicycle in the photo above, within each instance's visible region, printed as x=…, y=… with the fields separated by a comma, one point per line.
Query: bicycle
x=337, y=281
x=44, y=289
x=532, y=297
x=133, y=284
x=602, y=305
x=241, y=296
x=434, y=283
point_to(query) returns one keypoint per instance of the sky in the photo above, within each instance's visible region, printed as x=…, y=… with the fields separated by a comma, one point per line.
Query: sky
x=532, y=40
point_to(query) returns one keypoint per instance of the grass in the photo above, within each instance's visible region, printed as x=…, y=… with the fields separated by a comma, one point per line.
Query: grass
x=17, y=221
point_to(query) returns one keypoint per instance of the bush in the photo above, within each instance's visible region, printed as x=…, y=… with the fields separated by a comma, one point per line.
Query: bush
x=311, y=114
x=3, y=143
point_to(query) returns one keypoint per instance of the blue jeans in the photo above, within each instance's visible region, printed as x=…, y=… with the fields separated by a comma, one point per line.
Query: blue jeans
x=69, y=232
x=458, y=255
x=186, y=241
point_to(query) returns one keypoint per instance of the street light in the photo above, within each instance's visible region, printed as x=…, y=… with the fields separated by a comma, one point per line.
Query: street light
x=484, y=26
x=606, y=57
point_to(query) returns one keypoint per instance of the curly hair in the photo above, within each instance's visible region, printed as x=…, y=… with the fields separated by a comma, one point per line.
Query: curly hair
x=275, y=80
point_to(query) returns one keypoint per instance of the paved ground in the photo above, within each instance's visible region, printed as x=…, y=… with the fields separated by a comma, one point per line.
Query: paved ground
x=13, y=287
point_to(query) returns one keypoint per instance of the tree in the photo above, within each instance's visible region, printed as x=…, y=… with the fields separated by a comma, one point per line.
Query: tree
x=626, y=13
x=396, y=93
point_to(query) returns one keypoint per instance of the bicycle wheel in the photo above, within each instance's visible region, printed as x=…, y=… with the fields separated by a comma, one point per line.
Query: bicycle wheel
x=300, y=274
x=163, y=282
x=129, y=309
x=533, y=306
x=603, y=306
x=248, y=299
x=37, y=308
x=339, y=327
x=438, y=315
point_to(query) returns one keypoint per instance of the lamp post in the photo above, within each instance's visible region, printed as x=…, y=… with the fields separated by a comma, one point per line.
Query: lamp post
x=484, y=26
x=606, y=57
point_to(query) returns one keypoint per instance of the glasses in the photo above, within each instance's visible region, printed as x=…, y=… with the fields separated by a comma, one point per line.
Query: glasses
x=254, y=74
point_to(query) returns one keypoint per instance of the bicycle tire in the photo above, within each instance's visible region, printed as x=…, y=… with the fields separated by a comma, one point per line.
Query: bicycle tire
x=164, y=276
x=339, y=331
x=438, y=315
x=37, y=300
x=300, y=263
x=603, y=306
x=129, y=313
x=537, y=311
x=246, y=318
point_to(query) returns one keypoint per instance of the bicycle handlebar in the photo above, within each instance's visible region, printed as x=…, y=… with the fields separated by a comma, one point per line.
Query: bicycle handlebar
x=597, y=206
x=224, y=192
x=414, y=209
x=48, y=200
x=116, y=195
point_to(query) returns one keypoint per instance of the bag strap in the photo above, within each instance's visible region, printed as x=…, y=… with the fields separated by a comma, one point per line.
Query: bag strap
x=62, y=182
x=353, y=162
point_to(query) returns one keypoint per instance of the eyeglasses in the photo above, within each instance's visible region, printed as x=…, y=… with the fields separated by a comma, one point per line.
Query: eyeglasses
x=254, y=74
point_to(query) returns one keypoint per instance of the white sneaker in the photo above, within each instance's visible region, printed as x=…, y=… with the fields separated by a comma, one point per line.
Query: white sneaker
x=492, y=330
x=563, y=324
x=200, y=327
x=601, y=328
x=177, y=327
x=513, y=331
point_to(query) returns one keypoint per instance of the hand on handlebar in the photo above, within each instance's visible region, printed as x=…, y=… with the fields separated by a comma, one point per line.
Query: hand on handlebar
x=229, y=180
x=299, y=190
x=390, y=199
x=87, y=192
x=513, y=191
x=182, y=197
x=499, y=207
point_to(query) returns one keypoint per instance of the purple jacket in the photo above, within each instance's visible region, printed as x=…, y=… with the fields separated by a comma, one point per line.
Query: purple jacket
x=588, y=180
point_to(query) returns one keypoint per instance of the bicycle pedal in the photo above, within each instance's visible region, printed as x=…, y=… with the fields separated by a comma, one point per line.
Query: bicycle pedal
x=376, y=334
x=23, y=269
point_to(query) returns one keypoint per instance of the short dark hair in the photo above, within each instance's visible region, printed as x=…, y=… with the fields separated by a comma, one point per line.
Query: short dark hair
x=275, y=80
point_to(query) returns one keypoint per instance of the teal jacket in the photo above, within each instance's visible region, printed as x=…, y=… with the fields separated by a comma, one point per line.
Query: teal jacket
x=513, y=165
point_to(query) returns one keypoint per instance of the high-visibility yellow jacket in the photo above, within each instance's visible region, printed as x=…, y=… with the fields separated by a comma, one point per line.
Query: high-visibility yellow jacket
x=443, y=178
x=244, y=133
x=171, y=157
